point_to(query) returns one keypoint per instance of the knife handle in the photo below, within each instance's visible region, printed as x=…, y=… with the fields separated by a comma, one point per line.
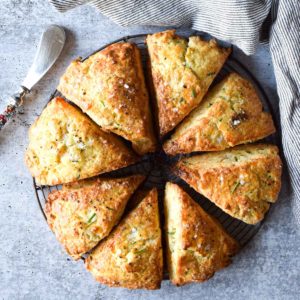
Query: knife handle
x=11, y=109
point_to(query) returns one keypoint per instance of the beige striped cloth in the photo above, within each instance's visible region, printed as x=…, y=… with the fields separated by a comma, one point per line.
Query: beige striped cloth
x=241, y=23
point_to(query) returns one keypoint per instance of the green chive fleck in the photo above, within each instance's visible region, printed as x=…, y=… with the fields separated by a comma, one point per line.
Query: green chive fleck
x=141, y=251
x=109, y=208
x=194, y=93
x=171, y=232
x=211, y=74
x=92, y=219
x=235, y=186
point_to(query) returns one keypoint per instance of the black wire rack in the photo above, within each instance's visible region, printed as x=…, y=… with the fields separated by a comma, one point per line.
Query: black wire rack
x=157, y=166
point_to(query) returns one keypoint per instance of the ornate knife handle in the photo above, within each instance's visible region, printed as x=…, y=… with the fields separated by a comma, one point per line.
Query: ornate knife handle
x=10, y=111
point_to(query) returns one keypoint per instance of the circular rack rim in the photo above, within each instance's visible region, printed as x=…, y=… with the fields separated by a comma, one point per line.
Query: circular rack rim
x=239, y=230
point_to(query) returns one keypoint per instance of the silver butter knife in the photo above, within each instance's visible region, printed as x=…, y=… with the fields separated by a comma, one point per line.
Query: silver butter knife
x=49, y=49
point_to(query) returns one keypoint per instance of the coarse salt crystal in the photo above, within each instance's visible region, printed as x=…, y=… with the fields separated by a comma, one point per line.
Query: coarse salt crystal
x=81, y=145
x=90, y=142
x=219, y=139
x=126, y=86
x=236, y=122
x=221, y=179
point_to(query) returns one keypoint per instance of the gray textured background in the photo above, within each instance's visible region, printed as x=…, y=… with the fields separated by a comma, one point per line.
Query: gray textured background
x=32, y=264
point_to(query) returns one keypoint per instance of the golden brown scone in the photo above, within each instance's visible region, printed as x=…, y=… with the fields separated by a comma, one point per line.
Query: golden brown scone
x=182, y=72
x=110, y=87
x=131, y=256
x=229, y=115
x=242, y=181
x=197, y=245
x=84, y=212
x=65, y=145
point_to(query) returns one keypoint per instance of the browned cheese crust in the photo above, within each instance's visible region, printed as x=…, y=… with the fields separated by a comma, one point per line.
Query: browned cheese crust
x=110, y=87
x=84, y=213
x=229, y=115
x=197, y=245
x=65, y=145
x=182, y=72
x=131, y=256
x=242, y=181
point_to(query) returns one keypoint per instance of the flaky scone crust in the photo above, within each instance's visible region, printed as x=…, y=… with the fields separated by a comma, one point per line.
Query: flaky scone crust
x=84, y=212
x=242, y=181
x=229, y=115
x=65, y=145
x=197, y=245
x=182, y=72
x=131, y=256
x=110, y=87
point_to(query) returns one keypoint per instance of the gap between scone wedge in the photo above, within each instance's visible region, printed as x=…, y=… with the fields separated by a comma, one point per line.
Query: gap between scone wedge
x=197, y=245
x=84, y=212
x=242, y=181
x=65, y=145
x=109, y=87
x=182, y=72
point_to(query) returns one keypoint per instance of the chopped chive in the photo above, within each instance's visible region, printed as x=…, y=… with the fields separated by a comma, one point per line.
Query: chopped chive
x=194, y=93
x=171, y=232
x=92, y=219
x=141, y=251
x=210, y=73
x=109, y=208
x=222, y=97
x=235, y=186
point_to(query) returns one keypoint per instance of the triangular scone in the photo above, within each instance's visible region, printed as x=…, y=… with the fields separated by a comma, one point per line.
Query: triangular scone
x=110, y=87
x=65, y=145
x=197, y=245
x=131, y=256
x=229, y=115
x=242, y=181
x=182, y=72
x=84, y=213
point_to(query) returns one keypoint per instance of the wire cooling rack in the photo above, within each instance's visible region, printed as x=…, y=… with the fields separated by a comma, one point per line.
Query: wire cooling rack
x=157, y=166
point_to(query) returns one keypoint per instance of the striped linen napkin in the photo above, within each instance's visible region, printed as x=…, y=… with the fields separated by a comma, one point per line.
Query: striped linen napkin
x=244, y=24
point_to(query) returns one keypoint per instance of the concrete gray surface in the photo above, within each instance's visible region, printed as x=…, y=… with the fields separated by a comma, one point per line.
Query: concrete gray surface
x=32, y=263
